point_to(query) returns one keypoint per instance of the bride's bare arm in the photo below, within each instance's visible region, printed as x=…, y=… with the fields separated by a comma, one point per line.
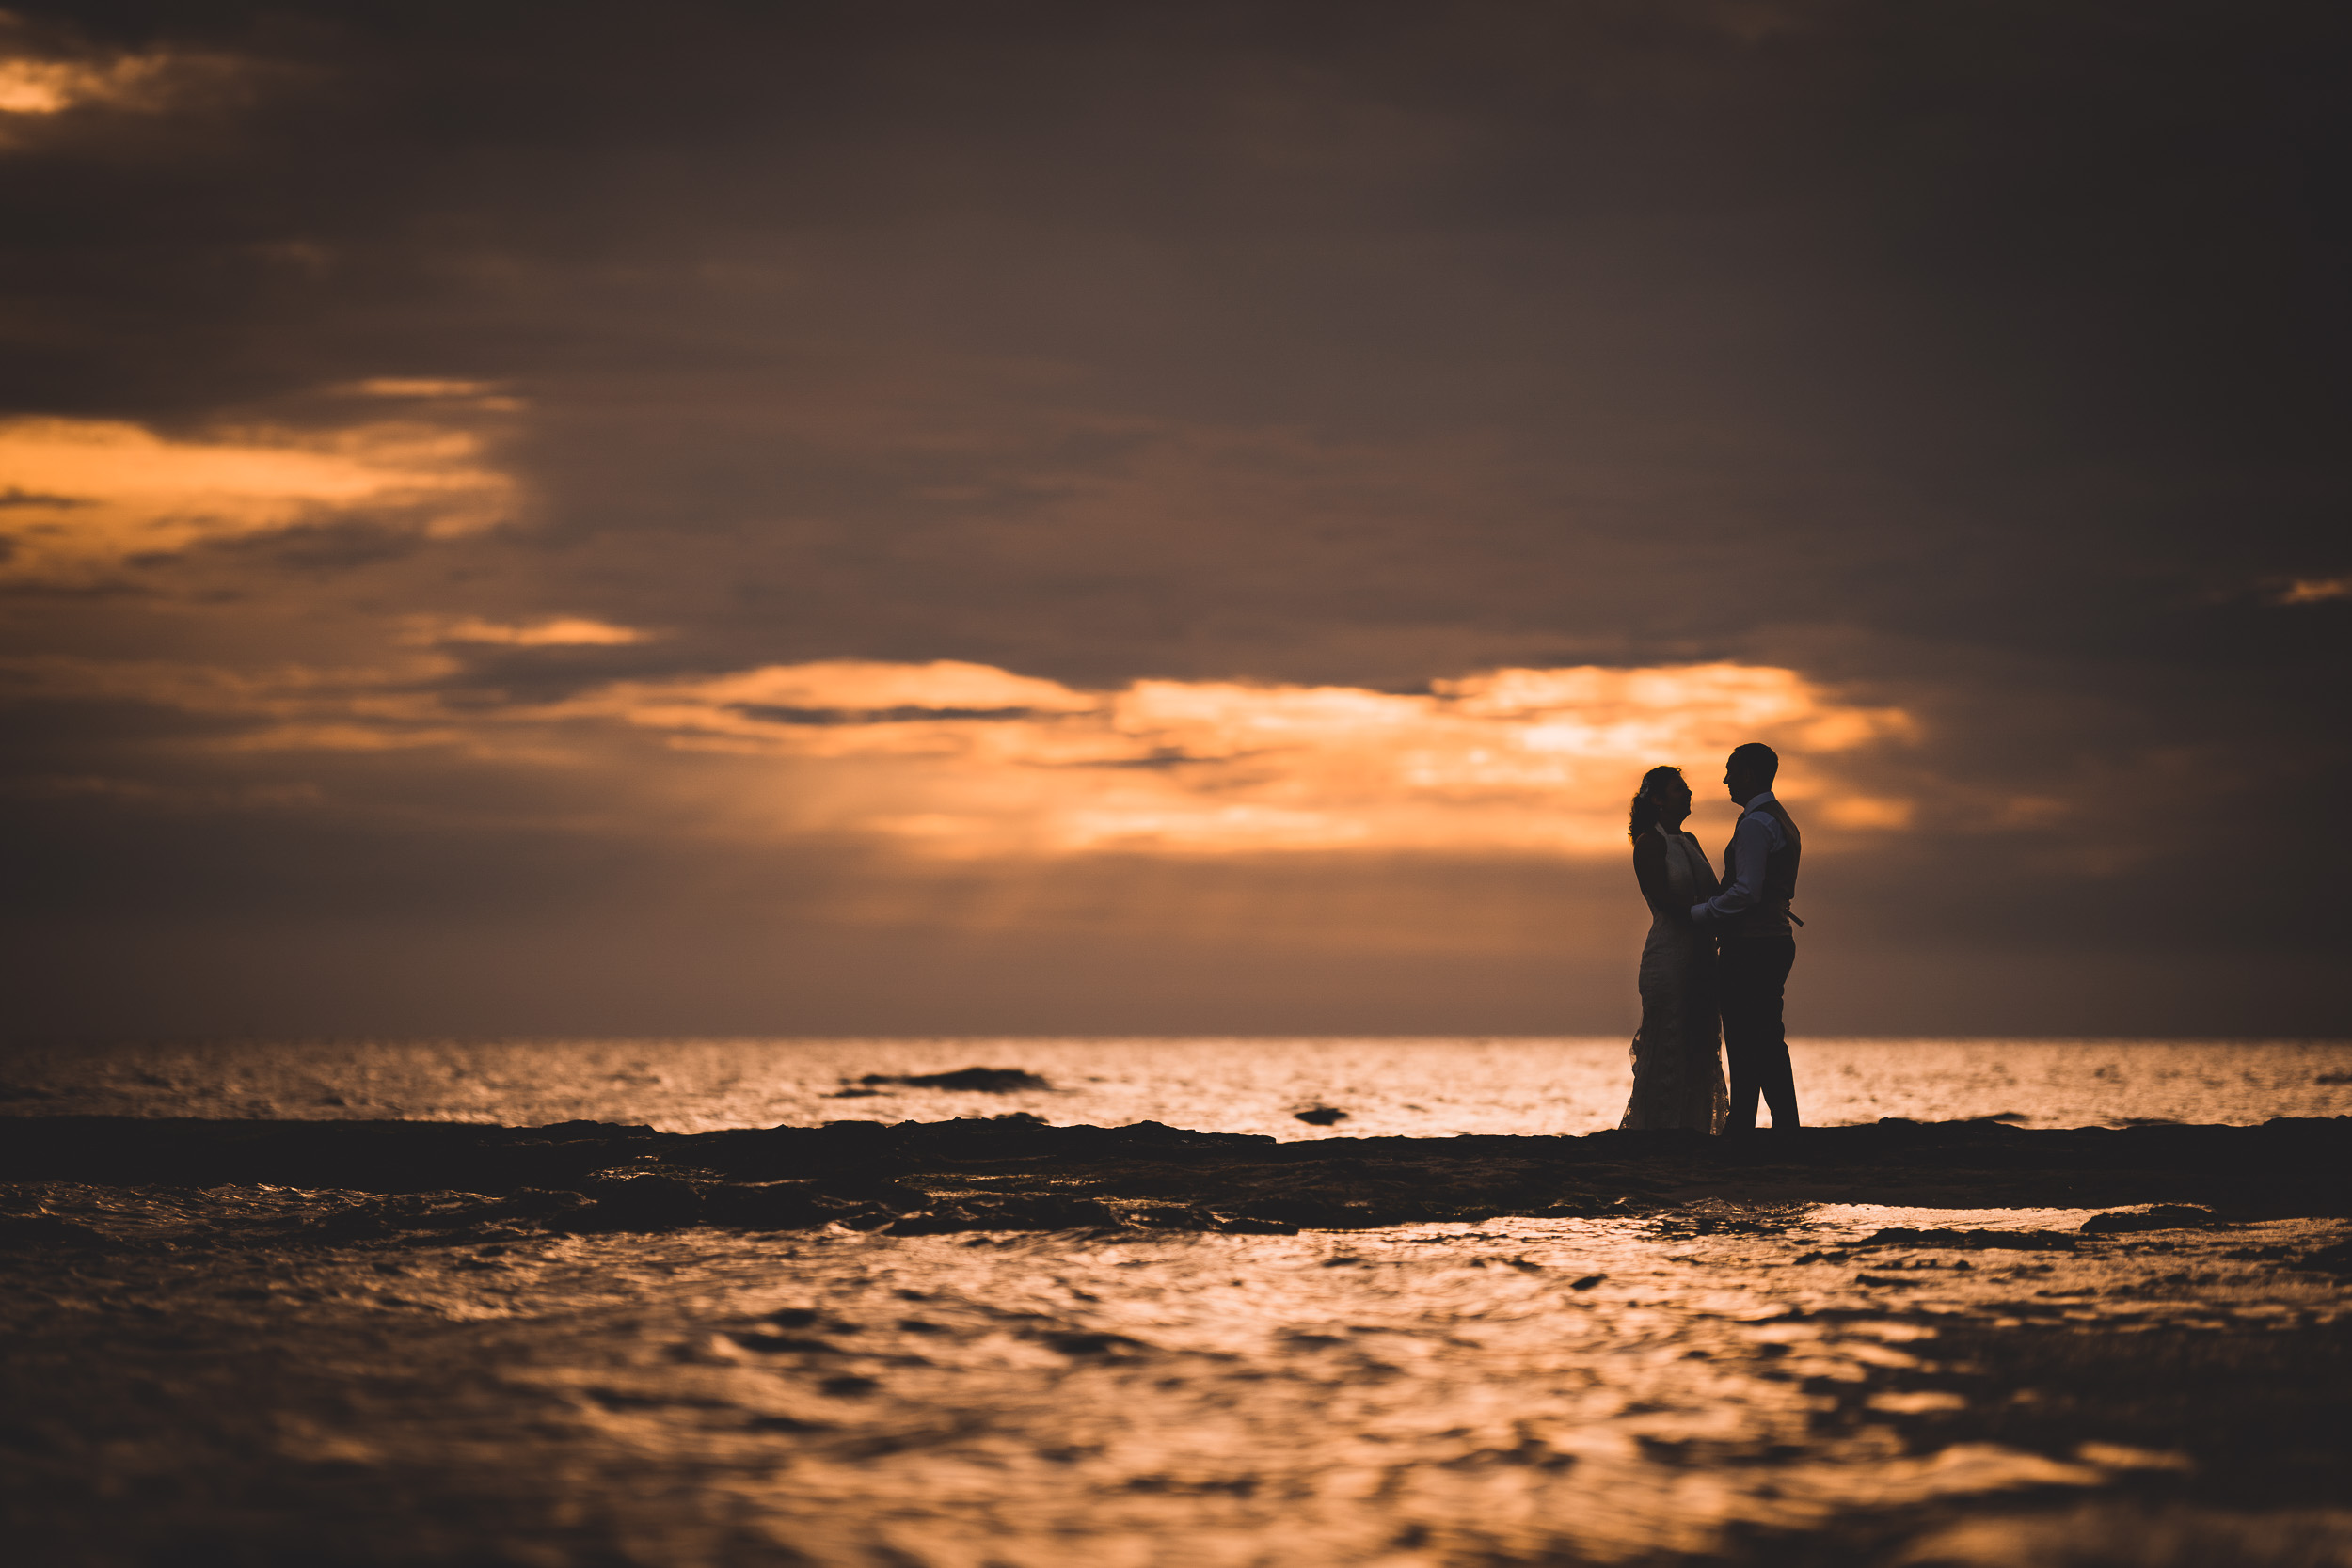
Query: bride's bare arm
x=1649, y=869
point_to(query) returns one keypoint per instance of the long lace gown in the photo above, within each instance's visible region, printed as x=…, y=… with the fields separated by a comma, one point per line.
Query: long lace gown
x=1677, y=1055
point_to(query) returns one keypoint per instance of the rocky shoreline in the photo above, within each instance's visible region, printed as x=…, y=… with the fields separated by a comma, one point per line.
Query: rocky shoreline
x=378, y=1180
x=370, y=1344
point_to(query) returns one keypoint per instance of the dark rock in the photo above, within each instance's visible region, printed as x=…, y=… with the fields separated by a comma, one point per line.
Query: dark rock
x=639, y=1202
x=1320, y=1116
x=1171, y=1217
x=1244, y=1225
x=875, y=1187
x=856, y=1134
x=771, y=1205
x=1015, y=1212
x=534, y=1203
x=435, y=1182
x=970, y=1080
x=1974, y=1241
x=445, y=1217
x=2164, y=1216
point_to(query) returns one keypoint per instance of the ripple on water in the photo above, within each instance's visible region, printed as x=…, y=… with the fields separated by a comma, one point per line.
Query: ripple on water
x=1513, y=1391
x=1375, y=1088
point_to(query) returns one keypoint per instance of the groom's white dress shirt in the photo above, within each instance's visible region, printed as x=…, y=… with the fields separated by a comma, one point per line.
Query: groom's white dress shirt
x=1756, y=837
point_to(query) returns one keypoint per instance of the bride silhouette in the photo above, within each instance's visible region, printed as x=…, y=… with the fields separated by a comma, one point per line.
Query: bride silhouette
x=1677, y=1061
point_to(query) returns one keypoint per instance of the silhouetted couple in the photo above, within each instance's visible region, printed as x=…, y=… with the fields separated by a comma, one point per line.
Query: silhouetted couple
x=1718, y=950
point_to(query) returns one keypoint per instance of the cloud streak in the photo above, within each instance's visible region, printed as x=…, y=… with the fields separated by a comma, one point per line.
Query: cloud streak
x=964, y=761
x=960, y=759
x=88, y=497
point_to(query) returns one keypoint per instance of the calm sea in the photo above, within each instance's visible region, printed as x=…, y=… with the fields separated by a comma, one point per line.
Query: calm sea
x=1428, y=1087
x=1727, y=1384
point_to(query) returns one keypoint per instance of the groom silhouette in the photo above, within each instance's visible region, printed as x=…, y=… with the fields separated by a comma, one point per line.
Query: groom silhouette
x=1757, y=947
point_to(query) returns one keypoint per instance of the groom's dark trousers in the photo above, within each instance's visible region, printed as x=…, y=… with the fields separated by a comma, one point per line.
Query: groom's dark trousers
x=1751, y=975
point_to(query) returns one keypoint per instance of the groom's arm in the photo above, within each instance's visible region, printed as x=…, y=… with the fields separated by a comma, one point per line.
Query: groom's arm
x=1751, y=843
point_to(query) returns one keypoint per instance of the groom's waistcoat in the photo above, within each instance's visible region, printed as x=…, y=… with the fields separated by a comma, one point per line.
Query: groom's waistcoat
x=1770, y=914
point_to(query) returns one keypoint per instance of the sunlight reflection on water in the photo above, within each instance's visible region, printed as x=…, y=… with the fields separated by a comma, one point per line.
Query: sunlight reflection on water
x=1514, y=1391
x=1388, y=1088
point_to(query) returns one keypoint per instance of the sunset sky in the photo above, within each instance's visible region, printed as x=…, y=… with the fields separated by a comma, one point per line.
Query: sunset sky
x=970, y=517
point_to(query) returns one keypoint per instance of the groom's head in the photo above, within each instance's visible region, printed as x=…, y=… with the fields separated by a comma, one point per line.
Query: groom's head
x=1750, y=771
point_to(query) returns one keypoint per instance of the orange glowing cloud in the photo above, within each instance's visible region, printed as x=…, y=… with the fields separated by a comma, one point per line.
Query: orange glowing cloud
x=34, y=89
x=559, y=632
x=961, y=759
x=79, y=497
x=2315, y=590
x=51, y=87
x=474, y=394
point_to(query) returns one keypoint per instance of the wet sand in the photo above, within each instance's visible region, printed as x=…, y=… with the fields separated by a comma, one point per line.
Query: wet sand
x=994, y=1344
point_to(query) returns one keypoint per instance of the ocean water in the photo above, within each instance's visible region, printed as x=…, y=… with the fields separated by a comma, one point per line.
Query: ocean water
x=1428, y=1087
x=1721, y=1384
x=1725, y=1386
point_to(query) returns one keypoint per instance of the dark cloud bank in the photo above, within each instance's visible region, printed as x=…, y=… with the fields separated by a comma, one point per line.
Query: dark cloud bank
x=1984, y=359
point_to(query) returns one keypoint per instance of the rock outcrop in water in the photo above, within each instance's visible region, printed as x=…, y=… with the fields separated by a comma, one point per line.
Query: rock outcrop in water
x=969, y=1080
x=1017, y=1174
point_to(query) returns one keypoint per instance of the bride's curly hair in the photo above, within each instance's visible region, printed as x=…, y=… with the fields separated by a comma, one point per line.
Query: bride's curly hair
x=1646, y=804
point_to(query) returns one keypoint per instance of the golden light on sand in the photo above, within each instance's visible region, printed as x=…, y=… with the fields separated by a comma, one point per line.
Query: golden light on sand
x=80, y=496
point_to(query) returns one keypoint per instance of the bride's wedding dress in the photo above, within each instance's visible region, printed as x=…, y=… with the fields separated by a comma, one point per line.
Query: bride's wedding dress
x=1677, y=1055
